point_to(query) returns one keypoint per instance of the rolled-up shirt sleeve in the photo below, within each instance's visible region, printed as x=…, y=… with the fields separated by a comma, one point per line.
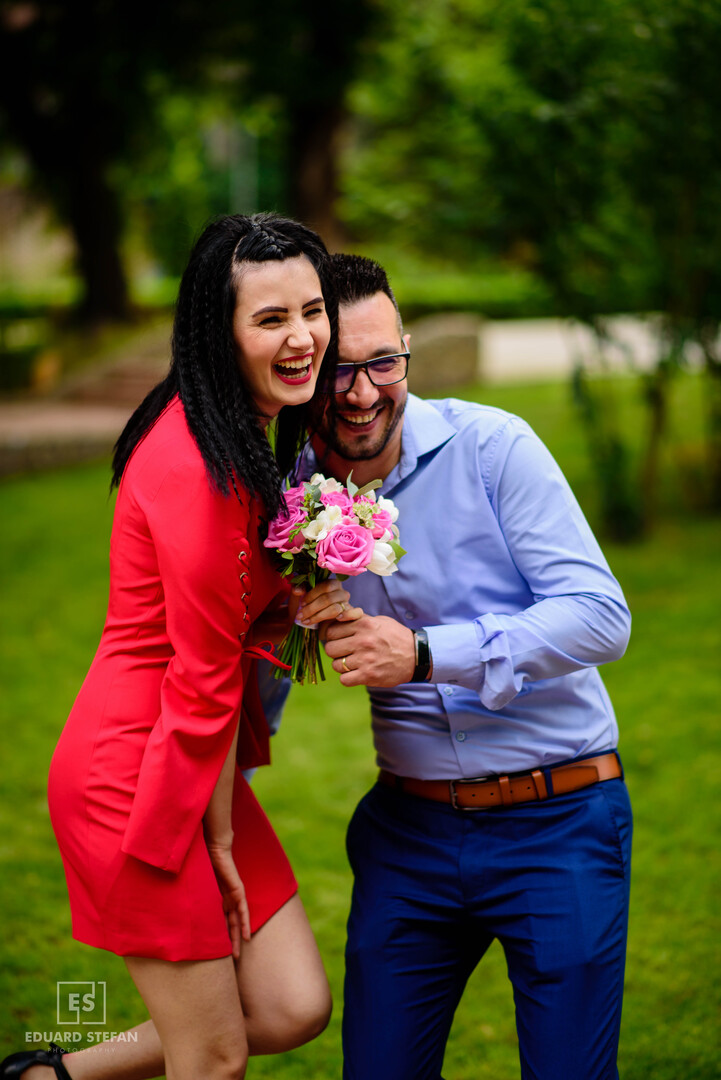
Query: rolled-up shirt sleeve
x=578, y=616
x=199, y=536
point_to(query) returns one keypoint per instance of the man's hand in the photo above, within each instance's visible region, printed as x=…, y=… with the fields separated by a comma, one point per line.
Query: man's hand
x=326, y=601
x=371, y=651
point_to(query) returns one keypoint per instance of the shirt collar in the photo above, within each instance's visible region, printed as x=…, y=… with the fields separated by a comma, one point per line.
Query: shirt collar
x=424, y=430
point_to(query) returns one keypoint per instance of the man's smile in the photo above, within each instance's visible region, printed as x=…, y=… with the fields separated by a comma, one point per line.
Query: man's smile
x=361, y=419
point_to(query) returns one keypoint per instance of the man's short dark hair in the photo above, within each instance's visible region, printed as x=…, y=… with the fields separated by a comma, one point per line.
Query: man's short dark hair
x=358, y=278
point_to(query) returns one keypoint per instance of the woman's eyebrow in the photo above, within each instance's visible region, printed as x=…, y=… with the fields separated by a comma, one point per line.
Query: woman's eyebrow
x=270, y=307
x=277, y=307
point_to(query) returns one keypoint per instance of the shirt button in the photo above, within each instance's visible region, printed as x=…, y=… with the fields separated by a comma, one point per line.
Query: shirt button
x=448, y=690
x=410, y=614
x=460, y=736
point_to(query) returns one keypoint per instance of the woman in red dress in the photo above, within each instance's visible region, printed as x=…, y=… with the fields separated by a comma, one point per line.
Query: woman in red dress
x=170, y=861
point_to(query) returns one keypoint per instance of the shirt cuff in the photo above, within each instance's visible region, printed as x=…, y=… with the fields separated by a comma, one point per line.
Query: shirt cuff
x=455, y=655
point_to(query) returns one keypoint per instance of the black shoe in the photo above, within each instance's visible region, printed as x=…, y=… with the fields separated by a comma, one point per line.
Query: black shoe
x=16, y=1064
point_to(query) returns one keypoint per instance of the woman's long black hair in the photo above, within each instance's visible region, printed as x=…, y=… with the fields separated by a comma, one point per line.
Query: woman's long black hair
x=204, y=370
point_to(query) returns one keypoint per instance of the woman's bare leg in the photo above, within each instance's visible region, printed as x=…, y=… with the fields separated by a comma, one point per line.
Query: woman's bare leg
x=285, y=1002
x=283, y=986
x=197, y=1014
x=196, y=1011
x=119, y=1059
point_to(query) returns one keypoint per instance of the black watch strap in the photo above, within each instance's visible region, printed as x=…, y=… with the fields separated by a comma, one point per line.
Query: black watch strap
x=423, y=656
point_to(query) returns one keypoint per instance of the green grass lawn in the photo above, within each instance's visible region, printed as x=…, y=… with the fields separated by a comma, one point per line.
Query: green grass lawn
x=53, y=571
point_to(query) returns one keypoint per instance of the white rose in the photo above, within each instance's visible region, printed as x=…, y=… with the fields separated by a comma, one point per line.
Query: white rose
x=389, y=506
x=325, y=484
x=320, y=526
x=383, y=561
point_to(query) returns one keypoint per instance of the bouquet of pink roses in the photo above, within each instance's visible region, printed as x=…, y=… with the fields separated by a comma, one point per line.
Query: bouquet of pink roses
x=330, y=529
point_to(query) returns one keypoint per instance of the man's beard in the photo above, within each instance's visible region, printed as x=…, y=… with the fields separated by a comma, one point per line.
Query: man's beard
x=356, y=449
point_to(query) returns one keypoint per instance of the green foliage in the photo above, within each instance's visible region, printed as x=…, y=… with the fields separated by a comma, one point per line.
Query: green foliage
x=414, y=171
x=576, y=136
x=205, y=159
x=606, y=158
x=620, y=510
x=426, y=285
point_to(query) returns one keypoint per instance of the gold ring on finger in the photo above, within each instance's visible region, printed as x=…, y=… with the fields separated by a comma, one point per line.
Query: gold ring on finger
x=343, y=663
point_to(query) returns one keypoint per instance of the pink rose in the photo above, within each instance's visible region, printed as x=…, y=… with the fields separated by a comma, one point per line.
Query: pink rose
x=347, y=549
x=337, y=498
x=381, y=522
x=280, y=529
x=294, y=496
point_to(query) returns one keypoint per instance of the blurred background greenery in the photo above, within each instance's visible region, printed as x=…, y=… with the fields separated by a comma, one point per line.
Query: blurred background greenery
x=512, y=159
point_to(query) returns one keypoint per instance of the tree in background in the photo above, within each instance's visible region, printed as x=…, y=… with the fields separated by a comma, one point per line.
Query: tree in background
x=415, y=161
x=608, y=160
x=578, y=138
x=673, y=173
x=558, y=135
x=77, y=99
x=82, y=86
x=303, y=58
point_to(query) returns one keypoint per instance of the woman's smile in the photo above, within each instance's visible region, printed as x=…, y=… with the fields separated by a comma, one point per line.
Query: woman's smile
x=295, y=370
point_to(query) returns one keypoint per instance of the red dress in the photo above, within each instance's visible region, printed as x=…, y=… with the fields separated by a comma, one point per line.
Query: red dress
x=144, y=745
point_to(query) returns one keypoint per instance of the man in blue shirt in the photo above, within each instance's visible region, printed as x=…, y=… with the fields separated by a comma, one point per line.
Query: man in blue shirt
x=500, y=810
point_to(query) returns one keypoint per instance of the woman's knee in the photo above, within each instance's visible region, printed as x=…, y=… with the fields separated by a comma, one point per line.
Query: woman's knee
x=310, y=1016
x=222, y=1059
x=292, y=1021
x=283, y=986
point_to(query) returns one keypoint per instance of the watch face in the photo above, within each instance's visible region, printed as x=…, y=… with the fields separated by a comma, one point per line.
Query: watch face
x=423, y=656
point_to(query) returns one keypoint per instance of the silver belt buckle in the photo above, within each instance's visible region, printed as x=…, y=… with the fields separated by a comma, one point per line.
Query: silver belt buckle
x=454, y=793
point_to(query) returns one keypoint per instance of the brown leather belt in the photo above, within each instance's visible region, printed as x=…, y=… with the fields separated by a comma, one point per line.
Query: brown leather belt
x=486, y=792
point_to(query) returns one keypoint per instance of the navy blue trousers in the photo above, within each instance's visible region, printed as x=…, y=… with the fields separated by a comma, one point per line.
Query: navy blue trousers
x=433, y=888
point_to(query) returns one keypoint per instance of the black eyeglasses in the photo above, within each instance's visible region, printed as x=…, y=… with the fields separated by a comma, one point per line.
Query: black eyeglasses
x=383, y=371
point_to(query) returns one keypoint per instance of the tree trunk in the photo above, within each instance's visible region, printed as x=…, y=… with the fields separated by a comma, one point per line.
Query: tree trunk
x=94, y=218
x=656, y=400
x=313, y=172
x=708, y=335
x=68, y=147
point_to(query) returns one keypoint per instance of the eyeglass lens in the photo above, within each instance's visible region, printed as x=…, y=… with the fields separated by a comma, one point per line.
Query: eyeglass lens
x=381, y=372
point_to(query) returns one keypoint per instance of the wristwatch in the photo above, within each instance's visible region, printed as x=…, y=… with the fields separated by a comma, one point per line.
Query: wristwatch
x=424, y=661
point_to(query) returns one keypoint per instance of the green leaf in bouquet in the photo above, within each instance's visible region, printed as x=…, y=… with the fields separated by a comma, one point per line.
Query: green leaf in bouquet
x=352, y=488
x=398, y=551
x=312, y=491
x=370, y=486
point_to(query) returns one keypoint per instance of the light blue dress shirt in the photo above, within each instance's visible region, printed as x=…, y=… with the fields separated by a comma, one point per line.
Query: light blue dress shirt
x=518, y=600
